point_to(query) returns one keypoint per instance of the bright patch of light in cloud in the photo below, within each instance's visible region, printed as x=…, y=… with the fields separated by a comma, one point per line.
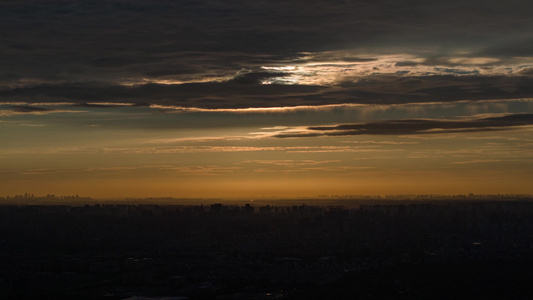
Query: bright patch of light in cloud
x=329, y=68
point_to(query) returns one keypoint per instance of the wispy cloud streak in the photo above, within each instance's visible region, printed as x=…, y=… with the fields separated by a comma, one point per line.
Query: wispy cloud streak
x=415, y=126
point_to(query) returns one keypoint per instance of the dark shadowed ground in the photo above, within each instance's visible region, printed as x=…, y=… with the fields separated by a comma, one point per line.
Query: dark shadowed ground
x=419, y=250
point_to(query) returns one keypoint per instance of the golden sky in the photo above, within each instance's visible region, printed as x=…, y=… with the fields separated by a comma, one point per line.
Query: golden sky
x=130, y=151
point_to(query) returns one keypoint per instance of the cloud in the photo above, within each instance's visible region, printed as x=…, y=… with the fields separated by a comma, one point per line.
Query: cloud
x=334, y=169
x=200, y=139
x=380, y=142
x=229, y=149
x=209, y=95
x=33, y=125
x=33, y=110
x=106, y=104
x=527, y=72
x=192, y=149
x=202, y=170
x=210, y=53
x=28, y=109
x=290, y=162
x=416, y=126
x=374, y=89
x=208, y=170
x=340, y=149
x=476, y=161
x=256, y=77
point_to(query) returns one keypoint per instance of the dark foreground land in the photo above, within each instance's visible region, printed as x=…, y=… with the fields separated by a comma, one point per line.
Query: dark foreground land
x=423, y=250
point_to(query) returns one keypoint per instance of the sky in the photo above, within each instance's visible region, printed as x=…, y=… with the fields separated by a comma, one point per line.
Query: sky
x=266, y=98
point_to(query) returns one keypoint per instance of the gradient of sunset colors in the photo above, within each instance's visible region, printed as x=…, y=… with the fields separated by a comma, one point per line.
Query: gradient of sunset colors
x=228, y=99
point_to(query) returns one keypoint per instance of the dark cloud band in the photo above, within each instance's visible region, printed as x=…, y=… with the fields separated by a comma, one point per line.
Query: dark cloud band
x=416, y=126
x=246, y=91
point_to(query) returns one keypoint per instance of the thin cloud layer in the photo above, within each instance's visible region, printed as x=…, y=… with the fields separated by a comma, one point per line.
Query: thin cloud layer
x=29, y=109
x=415, y=126
x=376, y=89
